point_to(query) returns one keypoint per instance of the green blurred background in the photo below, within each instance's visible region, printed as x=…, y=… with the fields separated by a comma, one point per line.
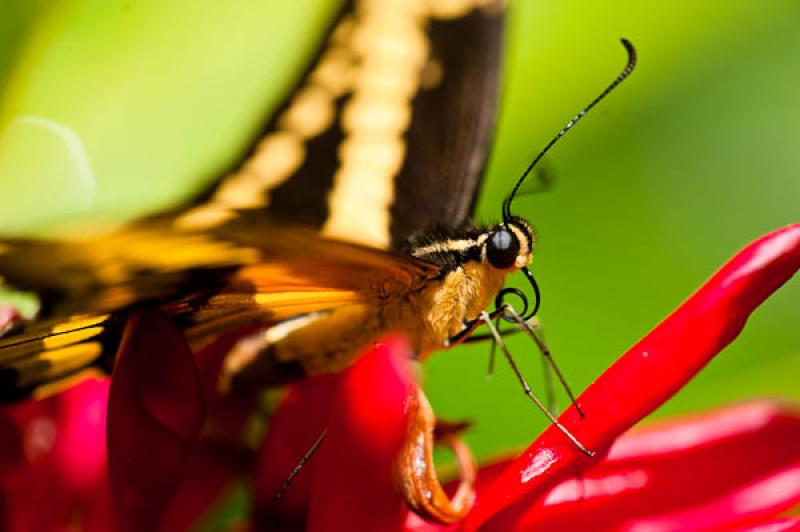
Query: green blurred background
x=114, y=109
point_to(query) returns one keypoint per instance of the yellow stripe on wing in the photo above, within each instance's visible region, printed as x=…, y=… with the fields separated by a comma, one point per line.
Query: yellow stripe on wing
x=54, y=364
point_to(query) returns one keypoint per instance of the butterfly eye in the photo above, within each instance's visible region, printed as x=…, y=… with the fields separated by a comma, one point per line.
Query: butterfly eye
x=502, y=249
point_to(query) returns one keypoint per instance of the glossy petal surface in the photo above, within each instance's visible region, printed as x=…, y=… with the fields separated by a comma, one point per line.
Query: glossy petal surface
x=724, y=467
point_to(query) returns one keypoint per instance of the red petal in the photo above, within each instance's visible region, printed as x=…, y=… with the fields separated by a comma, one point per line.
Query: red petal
x=353, y=487
x=762, y=498
x=651, y=371
x=209, y=469
x=30, y=498
x=774, y=525
x=212, y=464
x=80, y=453
x=60, y=467
x=97, y=509
x=669, y=469
x=155, y=413
x=11, y=443
x=294, y=427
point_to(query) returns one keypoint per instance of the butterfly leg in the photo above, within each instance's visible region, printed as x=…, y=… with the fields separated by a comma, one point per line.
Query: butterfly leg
x=547, y=359
x=533, y=328
x=466, y=336
x=487, y=319
x=300, y=465
x=477, y=338
x=493, y=351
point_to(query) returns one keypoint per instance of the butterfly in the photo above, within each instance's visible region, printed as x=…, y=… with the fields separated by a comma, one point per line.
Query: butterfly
x=351, y=216
x=387, y=132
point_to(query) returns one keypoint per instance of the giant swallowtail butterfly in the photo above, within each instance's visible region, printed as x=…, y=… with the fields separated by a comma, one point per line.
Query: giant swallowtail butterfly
x=385, y=134
x=350, y=216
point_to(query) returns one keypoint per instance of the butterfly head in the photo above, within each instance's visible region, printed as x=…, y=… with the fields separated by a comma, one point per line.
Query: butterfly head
x=503, y=248
x=509, y=245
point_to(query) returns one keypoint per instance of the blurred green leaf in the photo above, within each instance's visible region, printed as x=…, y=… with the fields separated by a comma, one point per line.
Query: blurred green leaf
x=118, y=108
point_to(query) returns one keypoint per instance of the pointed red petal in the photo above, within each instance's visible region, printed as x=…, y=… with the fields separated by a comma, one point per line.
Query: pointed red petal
x=785, y=524
x=762, y=498
x=214, y=462
x=155, y=413
x=353, y=487
x=651, y=371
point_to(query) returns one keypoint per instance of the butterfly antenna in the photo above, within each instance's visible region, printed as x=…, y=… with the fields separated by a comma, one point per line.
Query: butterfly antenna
x=622, y=76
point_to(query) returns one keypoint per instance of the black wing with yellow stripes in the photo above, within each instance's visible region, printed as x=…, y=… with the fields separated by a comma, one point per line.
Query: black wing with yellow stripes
x=386, y=134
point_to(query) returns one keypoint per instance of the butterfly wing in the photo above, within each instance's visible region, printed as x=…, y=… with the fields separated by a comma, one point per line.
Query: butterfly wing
x=439, y=180
x=46, y=356
x=209, y=283
x=385, y=134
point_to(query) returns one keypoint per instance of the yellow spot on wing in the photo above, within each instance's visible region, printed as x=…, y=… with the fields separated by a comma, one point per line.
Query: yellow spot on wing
x=306, y=299
x=56, y=387
x=277, y=156
x=78, y=322
x=311, y=112
x=335, y=71
x=52, y=364
x=206, y=215
x=272, y=303
x=118, y=257
x=37, y=332
x=13, y=352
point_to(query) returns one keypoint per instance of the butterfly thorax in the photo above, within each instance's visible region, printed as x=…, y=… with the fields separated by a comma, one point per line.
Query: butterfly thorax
x=470, y=278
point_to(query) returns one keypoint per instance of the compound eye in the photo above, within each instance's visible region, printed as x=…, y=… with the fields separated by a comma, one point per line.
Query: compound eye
x=502, y=249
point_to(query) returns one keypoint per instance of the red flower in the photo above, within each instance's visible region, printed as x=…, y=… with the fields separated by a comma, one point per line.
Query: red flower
x=735, y=466
x=731, y=467
x=174, y=445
